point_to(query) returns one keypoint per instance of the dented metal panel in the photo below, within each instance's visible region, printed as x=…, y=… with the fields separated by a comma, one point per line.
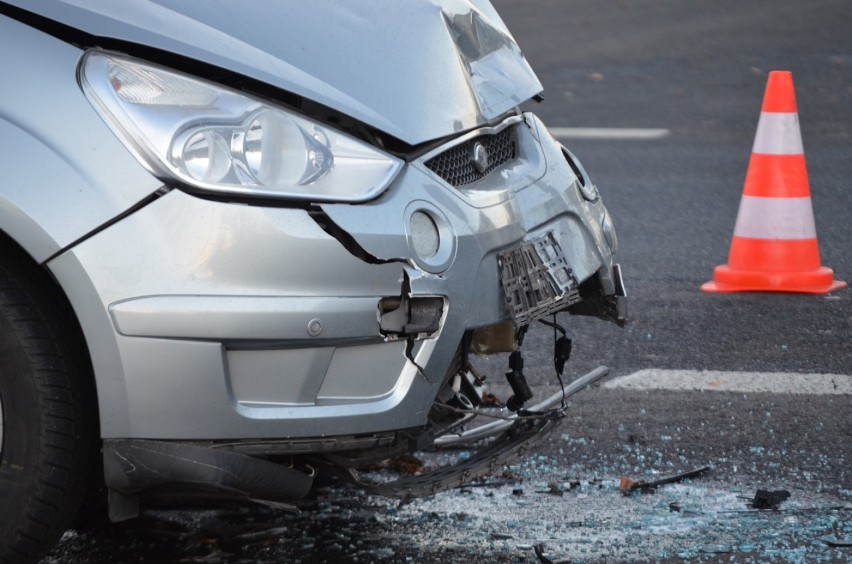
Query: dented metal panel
x=454, y=64
x=314, y=318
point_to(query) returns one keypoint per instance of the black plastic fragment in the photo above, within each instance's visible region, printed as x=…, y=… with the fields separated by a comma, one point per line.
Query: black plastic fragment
x=717, y=549
x=539, y=552
x=132, y=466
x=518, y=382
x=766, y=499
x=837, y=543
x=561, y=353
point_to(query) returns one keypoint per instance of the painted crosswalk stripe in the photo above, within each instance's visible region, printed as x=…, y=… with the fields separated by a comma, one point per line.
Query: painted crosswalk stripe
x=635, y=134
x=745, y=382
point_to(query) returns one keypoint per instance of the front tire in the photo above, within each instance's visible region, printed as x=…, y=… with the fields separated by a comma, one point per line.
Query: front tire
x=47, y=412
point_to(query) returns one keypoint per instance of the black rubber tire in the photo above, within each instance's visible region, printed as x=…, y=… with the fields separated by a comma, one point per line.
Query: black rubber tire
x=48, y=409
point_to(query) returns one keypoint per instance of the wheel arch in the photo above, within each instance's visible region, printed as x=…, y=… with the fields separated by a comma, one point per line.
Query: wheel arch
x=15, y=256
x=49, y=453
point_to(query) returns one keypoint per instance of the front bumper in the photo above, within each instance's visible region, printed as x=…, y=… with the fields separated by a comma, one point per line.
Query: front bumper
x=218, y=321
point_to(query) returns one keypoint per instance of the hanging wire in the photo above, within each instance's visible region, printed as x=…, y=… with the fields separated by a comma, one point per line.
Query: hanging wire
x=558, y=361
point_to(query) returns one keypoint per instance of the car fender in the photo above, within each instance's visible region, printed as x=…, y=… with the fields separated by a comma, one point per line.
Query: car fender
x=65, y=173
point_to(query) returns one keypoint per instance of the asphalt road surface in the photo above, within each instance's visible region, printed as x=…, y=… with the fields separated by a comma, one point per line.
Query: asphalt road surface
x=697, y=70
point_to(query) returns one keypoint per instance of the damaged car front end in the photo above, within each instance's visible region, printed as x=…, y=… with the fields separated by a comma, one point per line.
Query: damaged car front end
x=301, y=224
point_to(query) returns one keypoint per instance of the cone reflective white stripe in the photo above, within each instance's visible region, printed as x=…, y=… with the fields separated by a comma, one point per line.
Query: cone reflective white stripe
x=778, y=134
x=775, y=218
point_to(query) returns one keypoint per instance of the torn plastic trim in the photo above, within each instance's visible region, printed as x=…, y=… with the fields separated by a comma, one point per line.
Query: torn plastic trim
x=317, y=445
x=513, y=442
x=132, y=466
x=411, y=316
x=345, y=238
x=150, y=198
x=588, y=190
x=594, y=302
x=620, y=297
x=495, y=427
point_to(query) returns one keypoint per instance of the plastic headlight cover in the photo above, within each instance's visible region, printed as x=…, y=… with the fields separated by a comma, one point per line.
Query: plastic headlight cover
x=213, y=138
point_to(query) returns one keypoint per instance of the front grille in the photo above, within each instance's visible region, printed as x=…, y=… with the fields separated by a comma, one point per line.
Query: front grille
x=456, y=165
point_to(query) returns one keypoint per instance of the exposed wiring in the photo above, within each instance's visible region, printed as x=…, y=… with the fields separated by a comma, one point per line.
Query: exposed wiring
x=561, y=352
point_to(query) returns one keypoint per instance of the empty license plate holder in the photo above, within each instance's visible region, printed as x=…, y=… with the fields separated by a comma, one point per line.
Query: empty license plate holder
x=537, y=280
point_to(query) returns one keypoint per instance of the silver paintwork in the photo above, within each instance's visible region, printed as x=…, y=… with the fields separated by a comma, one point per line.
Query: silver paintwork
x=453, y=64
x=56, y=149
x=214, y=296
x=230, y=255
x=536, y=194
x=336, y=320
x=214, y=320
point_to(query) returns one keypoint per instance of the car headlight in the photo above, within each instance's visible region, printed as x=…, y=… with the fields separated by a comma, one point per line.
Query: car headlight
x=214, y=138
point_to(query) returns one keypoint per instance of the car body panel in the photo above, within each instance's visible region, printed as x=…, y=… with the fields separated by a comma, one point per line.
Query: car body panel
x=260, y=306
x=204, y=329
x=57, y=138
x=188, y=255
x=240, y=320
x=454, y=64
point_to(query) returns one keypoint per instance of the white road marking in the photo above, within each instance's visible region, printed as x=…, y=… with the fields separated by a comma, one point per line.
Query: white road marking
x=635, y=134
x=747, y=382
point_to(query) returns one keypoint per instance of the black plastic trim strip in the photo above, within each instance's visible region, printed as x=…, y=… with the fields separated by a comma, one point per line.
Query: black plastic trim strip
x=129, y=211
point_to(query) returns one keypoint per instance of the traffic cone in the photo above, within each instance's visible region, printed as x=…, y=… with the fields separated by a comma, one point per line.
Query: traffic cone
x=774, y=248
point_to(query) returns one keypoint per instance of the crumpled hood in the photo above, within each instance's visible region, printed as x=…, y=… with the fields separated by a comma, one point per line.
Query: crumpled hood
x=416, y=69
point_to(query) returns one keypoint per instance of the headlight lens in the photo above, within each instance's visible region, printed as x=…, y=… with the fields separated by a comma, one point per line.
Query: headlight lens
x=218, y=139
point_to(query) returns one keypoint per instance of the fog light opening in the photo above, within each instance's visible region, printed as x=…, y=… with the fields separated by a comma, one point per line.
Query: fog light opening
x=430, y=237
x=425, y=237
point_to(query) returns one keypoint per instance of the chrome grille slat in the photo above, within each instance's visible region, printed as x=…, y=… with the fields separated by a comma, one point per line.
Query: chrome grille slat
x=456, y=166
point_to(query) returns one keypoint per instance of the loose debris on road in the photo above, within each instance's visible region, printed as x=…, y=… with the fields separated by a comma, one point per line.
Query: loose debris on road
x=765, y=499
x=539, y=552
x=838, y=543
x=590, y=522
x=628, y=486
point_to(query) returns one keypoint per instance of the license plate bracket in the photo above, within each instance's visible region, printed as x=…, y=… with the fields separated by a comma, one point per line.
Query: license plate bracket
x=537, y=280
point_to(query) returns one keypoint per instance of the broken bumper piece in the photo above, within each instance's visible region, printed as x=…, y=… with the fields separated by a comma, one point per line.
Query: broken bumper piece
x=513, y=442
x=491, y=429
x=514, y=435
x=134, y=466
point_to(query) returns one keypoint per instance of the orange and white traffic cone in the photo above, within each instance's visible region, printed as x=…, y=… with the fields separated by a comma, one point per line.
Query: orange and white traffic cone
x=774, y=248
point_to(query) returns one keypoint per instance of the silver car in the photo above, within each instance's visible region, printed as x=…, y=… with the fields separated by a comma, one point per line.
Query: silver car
x=246, y=242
